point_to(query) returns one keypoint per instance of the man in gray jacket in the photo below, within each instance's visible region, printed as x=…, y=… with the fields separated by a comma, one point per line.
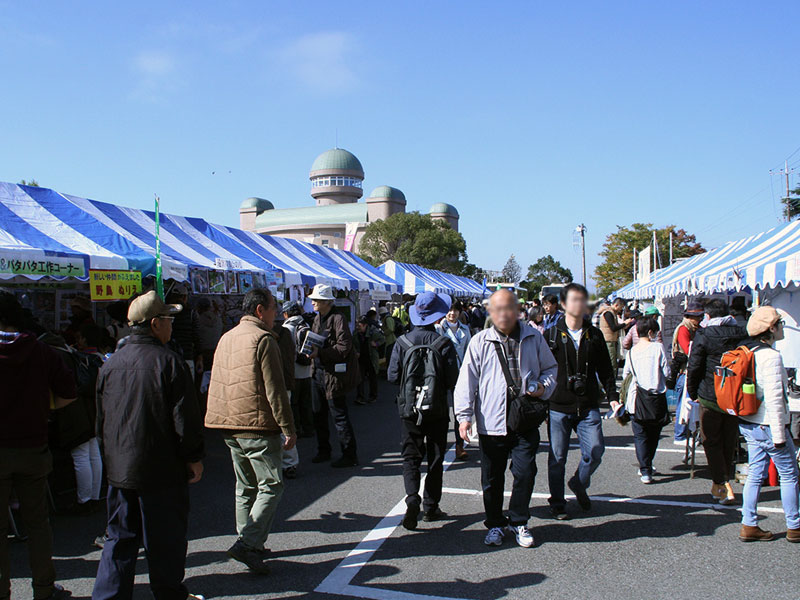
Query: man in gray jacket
x=481, y=396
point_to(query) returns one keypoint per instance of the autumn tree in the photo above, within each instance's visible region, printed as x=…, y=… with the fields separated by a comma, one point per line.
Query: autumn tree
x=512, y=272
x=616, y=270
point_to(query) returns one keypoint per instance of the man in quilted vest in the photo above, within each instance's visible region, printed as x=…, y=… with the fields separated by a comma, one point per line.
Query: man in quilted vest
x=247, y=399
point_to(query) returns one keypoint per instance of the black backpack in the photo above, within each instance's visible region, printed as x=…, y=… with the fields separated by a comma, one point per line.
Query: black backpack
x=399, y=328
x=422, y=392
x=300, y=334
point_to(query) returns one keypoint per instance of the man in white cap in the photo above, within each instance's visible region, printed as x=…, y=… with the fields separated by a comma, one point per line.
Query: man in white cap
x=151, y=437
x=335, y=373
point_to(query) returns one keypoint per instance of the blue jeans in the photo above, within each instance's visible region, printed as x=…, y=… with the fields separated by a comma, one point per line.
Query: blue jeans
x=681, y=429
x=590, y=437
x=760, y=449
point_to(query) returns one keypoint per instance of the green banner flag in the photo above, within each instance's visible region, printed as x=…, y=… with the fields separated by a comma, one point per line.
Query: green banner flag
x=159, y=280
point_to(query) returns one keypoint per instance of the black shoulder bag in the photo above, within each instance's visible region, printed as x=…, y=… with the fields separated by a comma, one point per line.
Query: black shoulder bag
x=523, y=413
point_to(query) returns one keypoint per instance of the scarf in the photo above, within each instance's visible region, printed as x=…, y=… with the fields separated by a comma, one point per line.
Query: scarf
x=691, y=326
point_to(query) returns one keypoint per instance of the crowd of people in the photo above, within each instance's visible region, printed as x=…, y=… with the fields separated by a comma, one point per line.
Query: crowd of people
x=130, y=404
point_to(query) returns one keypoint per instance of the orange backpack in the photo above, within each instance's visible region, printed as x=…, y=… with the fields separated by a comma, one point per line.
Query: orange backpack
x=735, y=382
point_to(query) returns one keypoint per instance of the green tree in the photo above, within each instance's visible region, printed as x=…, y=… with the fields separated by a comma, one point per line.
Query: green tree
x=544, y=271
x=791, y=205
x=512, y=272
x=414, y=238
x=32, y=182
x=616, y=270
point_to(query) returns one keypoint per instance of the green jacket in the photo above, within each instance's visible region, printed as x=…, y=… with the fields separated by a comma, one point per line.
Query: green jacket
x=388, y=330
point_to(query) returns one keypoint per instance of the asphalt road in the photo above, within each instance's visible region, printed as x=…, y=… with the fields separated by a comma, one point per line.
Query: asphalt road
x=666, y=540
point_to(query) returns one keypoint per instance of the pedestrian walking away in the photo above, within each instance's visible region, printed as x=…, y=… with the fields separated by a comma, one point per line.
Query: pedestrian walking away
x=647, y=363
x=583, y=364
x=335, y=373
x=249, y=402
x=720, y=430
x=508, y=373
x=425, y=365
x=148, y=424
x=766, y=431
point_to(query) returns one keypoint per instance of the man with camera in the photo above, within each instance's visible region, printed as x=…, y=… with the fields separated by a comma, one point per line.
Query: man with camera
x=580, y=351
x=506, y=377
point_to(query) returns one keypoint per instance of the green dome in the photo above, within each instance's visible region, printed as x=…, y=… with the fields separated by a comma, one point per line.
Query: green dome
x=339, y=159
x=442, y=208
x=258, y=203
x=387, y=191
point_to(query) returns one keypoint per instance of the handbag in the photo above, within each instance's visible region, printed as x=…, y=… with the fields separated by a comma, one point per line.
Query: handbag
x=650, y=405
x=523, y=412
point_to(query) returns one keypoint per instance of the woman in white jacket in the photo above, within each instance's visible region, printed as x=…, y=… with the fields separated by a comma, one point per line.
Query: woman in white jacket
x=766, y=432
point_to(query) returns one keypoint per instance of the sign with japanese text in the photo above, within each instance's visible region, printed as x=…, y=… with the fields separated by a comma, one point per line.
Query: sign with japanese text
x=114, y=285
x=48, y=266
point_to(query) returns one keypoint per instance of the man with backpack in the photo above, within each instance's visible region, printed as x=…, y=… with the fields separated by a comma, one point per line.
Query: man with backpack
x=719, y=429
x=425, y=364
x=506, y=378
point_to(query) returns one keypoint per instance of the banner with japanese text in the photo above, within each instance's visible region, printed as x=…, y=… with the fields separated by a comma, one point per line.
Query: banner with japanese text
x=114, y=285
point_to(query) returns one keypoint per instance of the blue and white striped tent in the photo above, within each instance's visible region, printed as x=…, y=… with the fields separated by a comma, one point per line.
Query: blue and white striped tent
x=767, y=259
x=39, y=223
x=416, y=279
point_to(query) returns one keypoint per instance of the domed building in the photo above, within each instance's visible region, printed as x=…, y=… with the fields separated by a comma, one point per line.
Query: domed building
x=337, y=219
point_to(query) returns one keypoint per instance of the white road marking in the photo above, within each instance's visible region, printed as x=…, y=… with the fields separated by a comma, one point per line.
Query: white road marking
x=627, y=500
x=339, y=580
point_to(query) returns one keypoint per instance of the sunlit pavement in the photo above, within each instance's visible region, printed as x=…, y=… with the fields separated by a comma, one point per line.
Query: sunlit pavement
x=336, y=534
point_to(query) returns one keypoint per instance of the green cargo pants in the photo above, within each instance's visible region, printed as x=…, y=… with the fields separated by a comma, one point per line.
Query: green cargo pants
x=25, y=470
x=259, y=485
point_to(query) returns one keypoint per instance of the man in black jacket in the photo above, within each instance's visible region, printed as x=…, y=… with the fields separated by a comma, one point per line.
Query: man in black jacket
x=150, y=432
x=425, y=436
x=580, y=351
x=720, y=430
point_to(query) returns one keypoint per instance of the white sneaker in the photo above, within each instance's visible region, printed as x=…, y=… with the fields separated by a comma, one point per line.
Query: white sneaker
x=523, y=535
x=646, y=479
x=494, y=537
x=639, y=472
x=679, y=442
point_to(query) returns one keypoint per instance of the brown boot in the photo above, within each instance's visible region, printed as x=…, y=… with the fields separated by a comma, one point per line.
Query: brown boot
x=793, y=536
x=748, y=533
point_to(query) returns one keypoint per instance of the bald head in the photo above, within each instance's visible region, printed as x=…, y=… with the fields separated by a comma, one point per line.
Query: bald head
x=504, y=310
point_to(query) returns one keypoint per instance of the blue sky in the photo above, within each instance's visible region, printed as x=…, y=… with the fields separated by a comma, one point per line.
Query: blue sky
x=530, y=117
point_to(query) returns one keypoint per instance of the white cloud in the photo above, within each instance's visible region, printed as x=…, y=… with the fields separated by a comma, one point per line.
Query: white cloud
x=323, y=61
x=155, y=72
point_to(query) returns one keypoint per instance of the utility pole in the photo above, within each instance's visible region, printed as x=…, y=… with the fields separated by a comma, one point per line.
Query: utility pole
x=785, y=171
x=581, y=229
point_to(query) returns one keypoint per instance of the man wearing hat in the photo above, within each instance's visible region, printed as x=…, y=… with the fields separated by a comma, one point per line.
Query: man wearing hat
x=150, y=432
x=335, y=373
x=681, y=341
x=424, y=434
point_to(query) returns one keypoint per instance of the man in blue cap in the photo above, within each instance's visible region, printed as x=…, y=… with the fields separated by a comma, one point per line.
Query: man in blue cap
x=425, y=364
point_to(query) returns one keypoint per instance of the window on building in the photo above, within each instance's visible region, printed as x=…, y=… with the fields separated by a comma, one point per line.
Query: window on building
x=326, y=242
x=337, y=234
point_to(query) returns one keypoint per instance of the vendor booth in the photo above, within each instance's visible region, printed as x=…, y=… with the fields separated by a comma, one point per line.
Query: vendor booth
x=415, y=280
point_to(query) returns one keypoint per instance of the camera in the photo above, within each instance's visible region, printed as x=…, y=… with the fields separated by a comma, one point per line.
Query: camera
x=577, y=384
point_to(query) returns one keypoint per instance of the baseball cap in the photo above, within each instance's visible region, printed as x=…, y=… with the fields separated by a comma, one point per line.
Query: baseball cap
x=149, y=306
x=651, y=311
